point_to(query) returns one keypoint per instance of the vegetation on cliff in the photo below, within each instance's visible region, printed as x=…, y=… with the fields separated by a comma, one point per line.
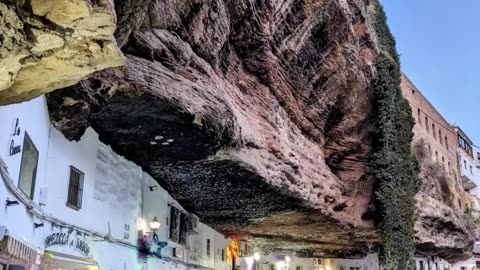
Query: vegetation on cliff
x=396, y=169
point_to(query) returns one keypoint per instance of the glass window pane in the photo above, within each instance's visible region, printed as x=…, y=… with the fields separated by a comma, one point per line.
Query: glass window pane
x=28, y=167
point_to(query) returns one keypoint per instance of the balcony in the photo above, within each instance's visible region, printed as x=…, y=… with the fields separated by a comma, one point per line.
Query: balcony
x=477, y=163
x=468, y=183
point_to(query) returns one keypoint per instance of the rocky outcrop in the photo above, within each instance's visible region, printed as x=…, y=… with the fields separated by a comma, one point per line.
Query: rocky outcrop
x=49, y=44
x=441, y=226
x=255, y=116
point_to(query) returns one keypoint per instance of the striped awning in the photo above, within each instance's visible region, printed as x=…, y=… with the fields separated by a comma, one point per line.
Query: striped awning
x=11, y=247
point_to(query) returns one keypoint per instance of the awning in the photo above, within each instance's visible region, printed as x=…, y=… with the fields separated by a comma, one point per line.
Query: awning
x=11, y=247
x=54, y=260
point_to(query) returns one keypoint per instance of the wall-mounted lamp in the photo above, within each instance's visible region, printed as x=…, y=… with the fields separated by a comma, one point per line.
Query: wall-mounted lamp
x=38, y=225
x=11, y=203
x=155, y=225
x=149, y=240
x=153, y=188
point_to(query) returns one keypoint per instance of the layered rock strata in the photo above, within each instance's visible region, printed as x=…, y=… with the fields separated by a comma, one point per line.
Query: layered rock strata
x=254, y=115
x=49, y=44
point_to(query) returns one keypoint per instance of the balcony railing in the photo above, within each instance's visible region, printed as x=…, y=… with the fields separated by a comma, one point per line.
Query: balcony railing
x=477, y=163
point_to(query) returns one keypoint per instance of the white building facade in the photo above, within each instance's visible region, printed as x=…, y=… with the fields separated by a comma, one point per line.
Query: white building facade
x=469, y=163
x=284, y=261
x=79, y=205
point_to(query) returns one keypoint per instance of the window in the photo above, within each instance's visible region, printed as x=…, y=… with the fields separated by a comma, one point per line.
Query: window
x=478, y=155
x=471, y=169
x=183, y=229
x=422, y=267
x=426, y=124
x=465, y=164
x=354, y=268
x=436, y=156
x=75, y=188
x=208, y=247
x=174, y=233
x=463, y=268
x=465, y=145
x=433, y=131
x=440, y=136
x=430, y=150
x=446, y=142
x=28, y=167
x=223, y=255
x=419, y=117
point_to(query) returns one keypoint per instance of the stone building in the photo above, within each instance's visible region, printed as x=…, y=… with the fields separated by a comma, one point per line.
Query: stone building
x=436, y=139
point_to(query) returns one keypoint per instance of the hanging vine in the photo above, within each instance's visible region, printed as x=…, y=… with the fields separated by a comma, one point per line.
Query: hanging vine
x=396, y=169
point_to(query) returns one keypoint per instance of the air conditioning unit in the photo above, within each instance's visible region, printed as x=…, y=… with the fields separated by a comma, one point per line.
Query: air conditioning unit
x=192, y=224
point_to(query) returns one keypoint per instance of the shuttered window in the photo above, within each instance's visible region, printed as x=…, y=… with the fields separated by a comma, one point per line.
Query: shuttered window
x=75, y=188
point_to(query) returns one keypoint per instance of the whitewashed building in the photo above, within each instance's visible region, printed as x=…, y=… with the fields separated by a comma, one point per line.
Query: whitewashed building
x=431, y=263
x=79, y=205
x=469, y=163
x=285, y=261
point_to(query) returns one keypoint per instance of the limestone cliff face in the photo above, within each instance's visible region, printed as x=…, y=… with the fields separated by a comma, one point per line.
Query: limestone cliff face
x=256, y=115
x=49, y=44
x=253, y=115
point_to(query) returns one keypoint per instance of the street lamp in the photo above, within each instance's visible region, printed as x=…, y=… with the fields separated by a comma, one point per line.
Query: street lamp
x=151, y=245
x=256, y=256
x=155, y=225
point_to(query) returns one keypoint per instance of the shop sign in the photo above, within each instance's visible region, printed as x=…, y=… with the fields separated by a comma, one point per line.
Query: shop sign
x=66, y=240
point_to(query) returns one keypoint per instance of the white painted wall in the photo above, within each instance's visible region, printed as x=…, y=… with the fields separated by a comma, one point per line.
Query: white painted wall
x=368, y=263
x=33, y=118
x=432, y=263
x=116, y=193
x=465, y=162
x=468, y=265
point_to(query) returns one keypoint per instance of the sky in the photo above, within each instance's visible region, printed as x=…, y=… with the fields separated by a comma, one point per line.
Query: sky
x=439, y=44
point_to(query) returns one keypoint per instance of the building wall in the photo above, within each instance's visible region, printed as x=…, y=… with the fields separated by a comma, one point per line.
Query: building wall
x=369, y=262
x=116, y=202
x=437, y=134
x=33, y=118
x=431, y=263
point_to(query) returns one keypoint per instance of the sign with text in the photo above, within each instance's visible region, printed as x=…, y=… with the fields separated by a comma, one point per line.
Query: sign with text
x=67, y=239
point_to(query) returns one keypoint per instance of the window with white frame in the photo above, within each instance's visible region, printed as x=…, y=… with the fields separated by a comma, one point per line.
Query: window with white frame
x=28, y=167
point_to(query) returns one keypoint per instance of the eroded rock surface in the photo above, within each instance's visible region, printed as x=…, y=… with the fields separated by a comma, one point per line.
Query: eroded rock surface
x=253, y=114
x=49, y=44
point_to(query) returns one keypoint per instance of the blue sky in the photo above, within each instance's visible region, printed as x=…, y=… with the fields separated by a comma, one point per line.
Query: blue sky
x=439, y=43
